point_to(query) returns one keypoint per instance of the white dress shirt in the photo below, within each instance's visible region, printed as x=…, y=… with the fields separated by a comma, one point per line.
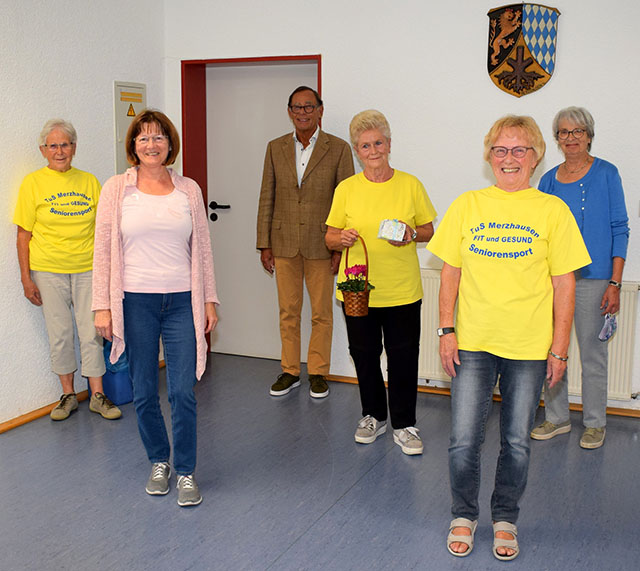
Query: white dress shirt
x=304, y=155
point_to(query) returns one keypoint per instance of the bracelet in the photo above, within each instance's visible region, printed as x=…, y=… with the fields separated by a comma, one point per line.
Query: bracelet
x=615, y=283
x=564, y=359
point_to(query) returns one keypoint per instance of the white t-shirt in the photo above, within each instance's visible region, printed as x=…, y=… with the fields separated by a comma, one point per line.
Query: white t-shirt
x=156, y=241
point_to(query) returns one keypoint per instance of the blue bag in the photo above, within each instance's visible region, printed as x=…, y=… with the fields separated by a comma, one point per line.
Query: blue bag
x=121, y=365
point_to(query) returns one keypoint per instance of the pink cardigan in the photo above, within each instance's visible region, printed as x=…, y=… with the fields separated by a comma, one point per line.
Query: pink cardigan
x=108, y=263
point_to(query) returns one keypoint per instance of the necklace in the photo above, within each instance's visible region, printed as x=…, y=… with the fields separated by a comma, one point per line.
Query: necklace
x=578, y=169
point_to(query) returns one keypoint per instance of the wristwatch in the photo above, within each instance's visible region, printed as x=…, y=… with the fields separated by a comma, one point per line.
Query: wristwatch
x=445, y=331
x=414, y=235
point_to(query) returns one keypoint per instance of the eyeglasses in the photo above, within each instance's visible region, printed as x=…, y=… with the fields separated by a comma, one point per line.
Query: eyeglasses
x=53, y=147
x=146, y=139
x=564, y=133
x=516, y=152
x=297, y=109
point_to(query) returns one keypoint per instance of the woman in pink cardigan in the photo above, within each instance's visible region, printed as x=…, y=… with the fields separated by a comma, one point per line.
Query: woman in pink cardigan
x=153, y=277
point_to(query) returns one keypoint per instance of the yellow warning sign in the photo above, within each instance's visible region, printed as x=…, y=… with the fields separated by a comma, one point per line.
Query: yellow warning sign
x=131, y=111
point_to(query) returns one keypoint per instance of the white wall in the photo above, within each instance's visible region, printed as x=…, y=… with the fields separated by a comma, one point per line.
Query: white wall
x=59, y=59
x=424, y=65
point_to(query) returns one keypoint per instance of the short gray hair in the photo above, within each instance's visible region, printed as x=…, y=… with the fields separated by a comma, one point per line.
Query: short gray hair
x=366, y=121
x=52, y=124
x=579, y=116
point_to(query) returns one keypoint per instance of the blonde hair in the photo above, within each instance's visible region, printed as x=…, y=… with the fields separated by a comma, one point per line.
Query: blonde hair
x=527, y=126
x=366, y=121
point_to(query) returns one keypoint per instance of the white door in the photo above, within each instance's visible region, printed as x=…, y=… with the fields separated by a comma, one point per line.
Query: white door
x=246, y=108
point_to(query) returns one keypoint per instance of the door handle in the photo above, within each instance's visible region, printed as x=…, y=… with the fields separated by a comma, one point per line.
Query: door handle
x=214, y=205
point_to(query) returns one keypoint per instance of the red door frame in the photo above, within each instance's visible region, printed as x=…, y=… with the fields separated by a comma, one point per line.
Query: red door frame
x=194, y=108
x=194, y=113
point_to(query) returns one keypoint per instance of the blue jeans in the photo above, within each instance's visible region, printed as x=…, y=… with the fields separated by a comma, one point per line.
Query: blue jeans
x=147, y=316
x=471, y=398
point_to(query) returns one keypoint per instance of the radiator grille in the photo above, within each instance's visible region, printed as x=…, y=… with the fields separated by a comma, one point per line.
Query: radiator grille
x=621, y=345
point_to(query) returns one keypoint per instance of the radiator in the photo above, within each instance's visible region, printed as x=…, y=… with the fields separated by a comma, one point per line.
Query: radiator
x=429, y=366
x=621, y=346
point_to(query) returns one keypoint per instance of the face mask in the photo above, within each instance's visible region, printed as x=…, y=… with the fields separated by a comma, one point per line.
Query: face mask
x=609, y=327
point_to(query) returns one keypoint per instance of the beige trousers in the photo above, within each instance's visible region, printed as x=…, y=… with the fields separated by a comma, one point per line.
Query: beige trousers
x=67, y=298
x=290, y=274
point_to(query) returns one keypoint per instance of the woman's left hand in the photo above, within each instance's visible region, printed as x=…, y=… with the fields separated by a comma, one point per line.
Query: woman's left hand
x=103, y=323
x=564, y=295
x=449, y=356
x=406, y=239
x=610, y=300
x=555, y=370
x=211, y=316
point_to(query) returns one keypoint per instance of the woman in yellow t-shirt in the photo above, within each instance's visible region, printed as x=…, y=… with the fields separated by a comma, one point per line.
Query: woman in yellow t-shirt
x=55, y=216
x=360, y=204
x=509, y=253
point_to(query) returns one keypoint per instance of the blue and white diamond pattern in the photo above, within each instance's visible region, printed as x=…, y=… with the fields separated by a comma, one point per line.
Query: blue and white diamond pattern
x=539, y=30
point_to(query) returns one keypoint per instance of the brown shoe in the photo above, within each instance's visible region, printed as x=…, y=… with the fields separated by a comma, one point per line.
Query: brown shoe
x=68, y=403
x=593, y=438
x=319, y=387
x=284, y=383
x=103, y=406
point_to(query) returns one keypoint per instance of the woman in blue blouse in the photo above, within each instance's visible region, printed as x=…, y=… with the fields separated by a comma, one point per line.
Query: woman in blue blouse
x=592, y=189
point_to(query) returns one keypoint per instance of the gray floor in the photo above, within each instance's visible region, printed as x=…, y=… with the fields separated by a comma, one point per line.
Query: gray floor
x=286, y=488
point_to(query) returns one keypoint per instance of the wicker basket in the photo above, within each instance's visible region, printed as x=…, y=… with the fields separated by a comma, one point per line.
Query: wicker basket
x=356, y=303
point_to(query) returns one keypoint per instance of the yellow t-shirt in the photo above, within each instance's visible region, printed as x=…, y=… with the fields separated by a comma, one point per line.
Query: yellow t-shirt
x=508, y=245
x=59, y=209
x=361, y=204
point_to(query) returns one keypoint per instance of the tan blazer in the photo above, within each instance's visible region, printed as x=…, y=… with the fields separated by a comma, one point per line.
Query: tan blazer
x=292, y=219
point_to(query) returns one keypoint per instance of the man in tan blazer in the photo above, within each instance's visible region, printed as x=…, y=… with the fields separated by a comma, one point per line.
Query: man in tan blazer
x=301, y=172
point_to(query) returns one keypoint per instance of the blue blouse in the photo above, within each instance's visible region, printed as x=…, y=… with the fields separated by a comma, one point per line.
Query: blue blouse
x=597, y=203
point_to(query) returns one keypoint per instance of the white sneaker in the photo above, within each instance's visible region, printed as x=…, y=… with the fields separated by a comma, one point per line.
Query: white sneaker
x=408, y=439
x=369, y=429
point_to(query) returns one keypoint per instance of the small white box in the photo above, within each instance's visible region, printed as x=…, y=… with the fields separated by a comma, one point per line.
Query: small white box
x=392, y=230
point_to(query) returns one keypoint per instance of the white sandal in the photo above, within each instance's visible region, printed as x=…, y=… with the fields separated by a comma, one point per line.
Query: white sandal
x=508, y=543
x=466, y=539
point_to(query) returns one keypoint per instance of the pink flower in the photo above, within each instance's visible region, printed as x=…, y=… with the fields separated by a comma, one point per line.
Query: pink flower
x=356, y=279
x=358, y=271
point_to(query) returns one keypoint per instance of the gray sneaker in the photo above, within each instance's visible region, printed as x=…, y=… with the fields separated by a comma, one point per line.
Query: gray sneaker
x=188, y=492
x=158, y=482
x=548, y=430
x=408, y=439
x=104, y=407
x=285, y=382
x=593, y=438
x=369, y=429
x=68, y=403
